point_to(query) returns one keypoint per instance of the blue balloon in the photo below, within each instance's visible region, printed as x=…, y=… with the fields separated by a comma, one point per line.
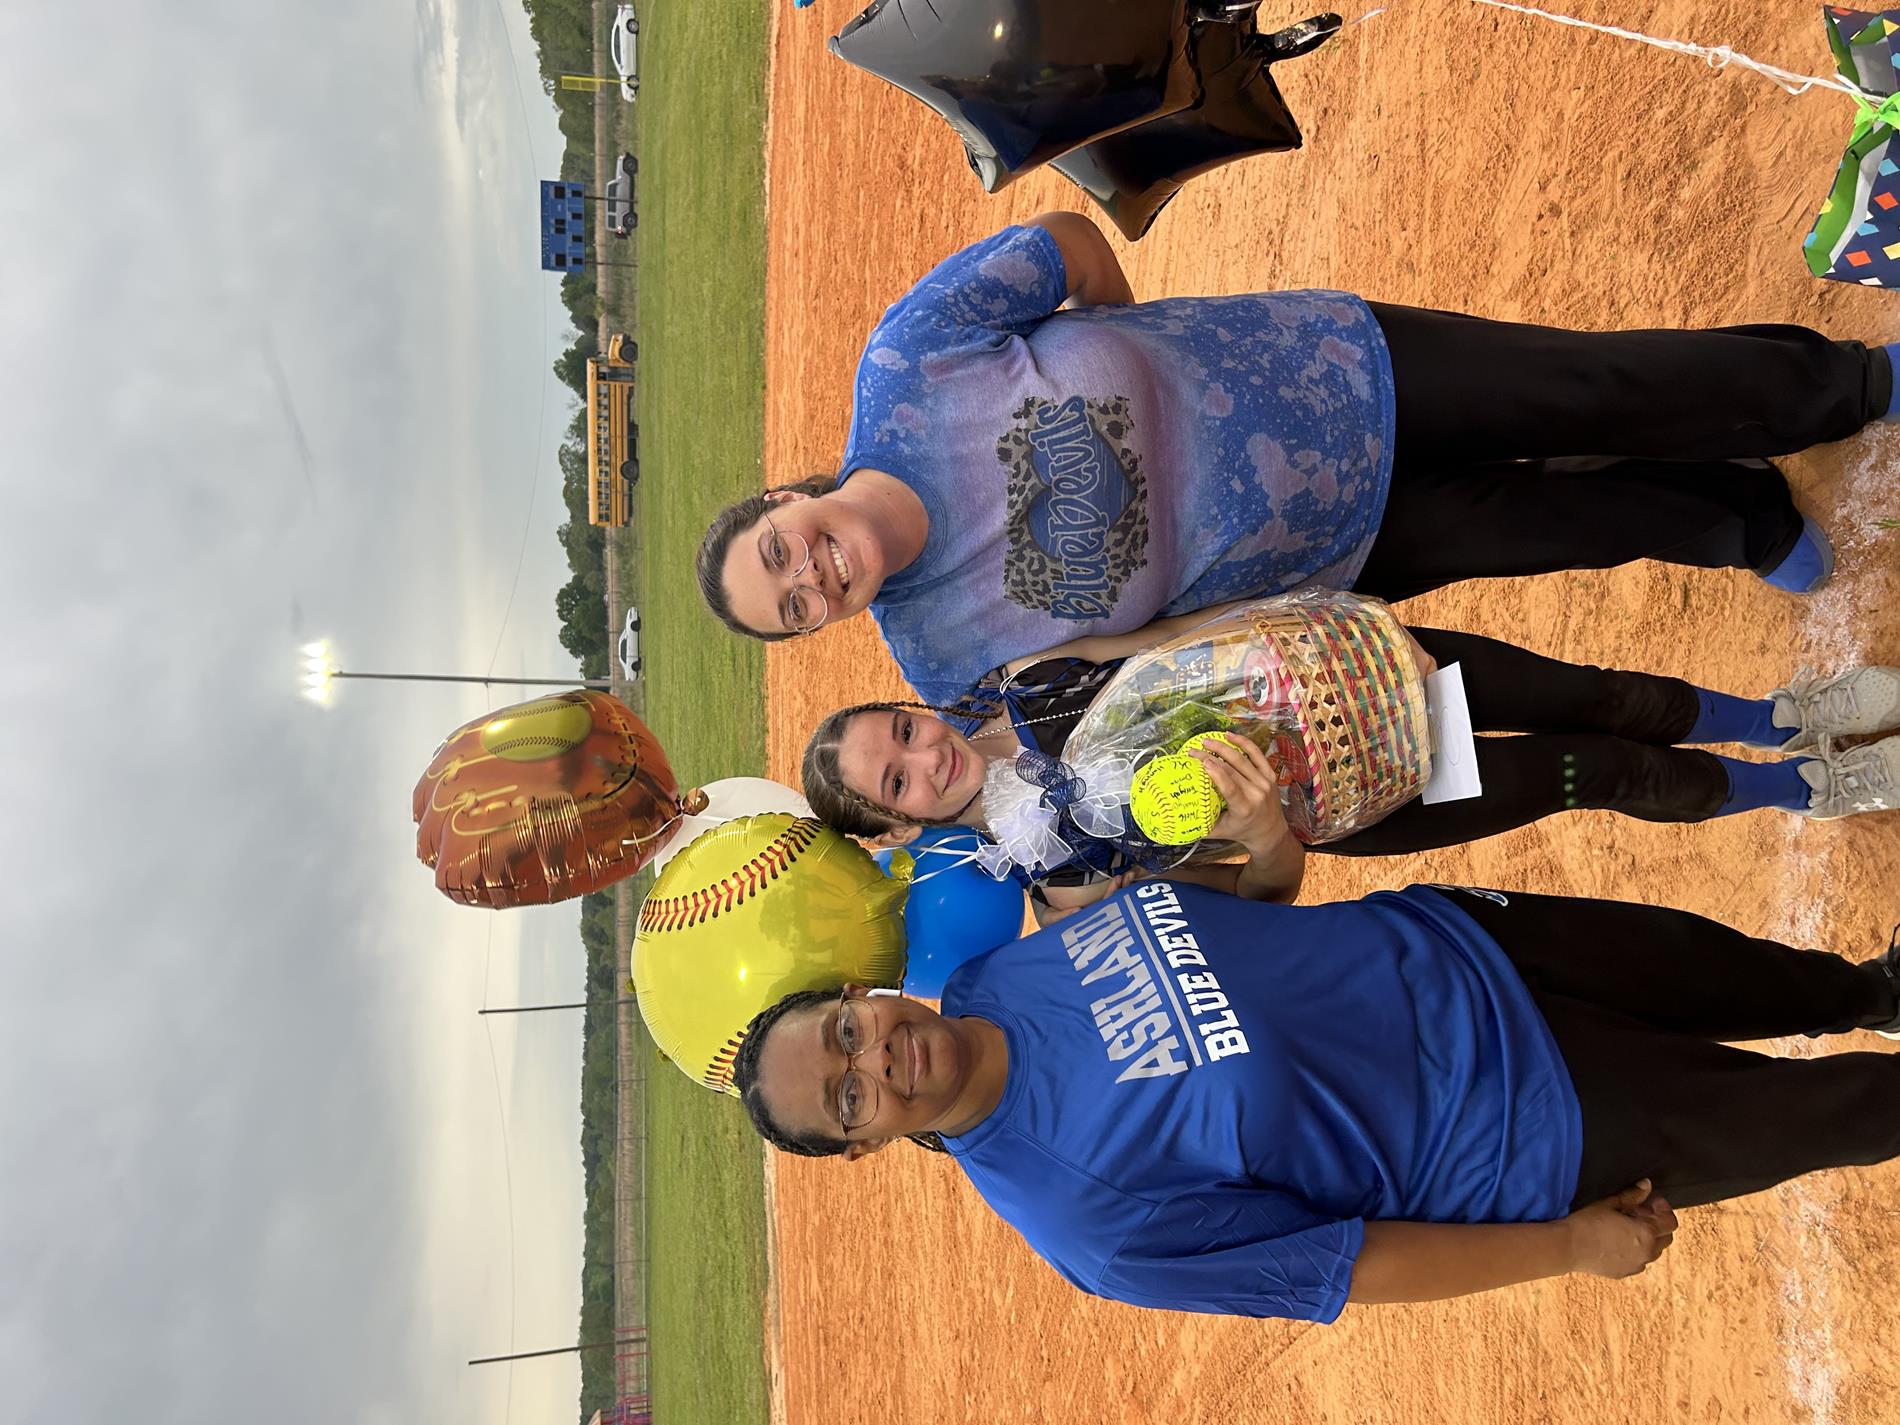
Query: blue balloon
x=954, y=912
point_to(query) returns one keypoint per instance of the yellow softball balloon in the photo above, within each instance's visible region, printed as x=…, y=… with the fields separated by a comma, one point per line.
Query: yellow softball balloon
x=748, y=913
x=1173, y=799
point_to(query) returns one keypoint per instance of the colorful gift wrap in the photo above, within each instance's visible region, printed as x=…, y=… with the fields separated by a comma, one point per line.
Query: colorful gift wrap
x=1856, y=238
x=1323, y=682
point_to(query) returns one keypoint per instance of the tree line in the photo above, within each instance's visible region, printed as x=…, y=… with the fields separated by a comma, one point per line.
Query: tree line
x=563, y=33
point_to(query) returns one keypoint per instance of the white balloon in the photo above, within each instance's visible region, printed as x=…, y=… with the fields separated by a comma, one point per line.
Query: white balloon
x=728, y=798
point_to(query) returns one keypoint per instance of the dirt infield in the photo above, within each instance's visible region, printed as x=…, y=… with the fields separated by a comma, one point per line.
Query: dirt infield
x=1462, y=158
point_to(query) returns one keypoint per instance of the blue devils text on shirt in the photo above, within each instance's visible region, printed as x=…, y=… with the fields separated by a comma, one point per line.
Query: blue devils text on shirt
x=1141, y=1032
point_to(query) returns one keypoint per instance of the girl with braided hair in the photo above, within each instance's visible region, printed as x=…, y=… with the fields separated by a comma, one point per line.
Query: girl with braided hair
x=1591, y=738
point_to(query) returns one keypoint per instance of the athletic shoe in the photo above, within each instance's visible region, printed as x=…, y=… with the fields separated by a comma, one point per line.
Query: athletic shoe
x=1865, y=778
x=1852, y=705
x=1808, y=565
x=1889, y=965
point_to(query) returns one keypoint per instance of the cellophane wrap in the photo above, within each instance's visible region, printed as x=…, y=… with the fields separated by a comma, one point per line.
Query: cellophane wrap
x=1325, y=683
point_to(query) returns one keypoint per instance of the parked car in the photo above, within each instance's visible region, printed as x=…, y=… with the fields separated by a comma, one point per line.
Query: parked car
x=624, y=44
x=628, y=648
x=621, y=218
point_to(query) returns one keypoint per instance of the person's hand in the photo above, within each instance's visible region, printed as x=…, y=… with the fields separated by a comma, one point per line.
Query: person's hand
x=1623, y=1234
x=1242, y=775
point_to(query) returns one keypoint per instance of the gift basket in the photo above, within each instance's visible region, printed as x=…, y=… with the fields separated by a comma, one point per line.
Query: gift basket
x=1325, y=683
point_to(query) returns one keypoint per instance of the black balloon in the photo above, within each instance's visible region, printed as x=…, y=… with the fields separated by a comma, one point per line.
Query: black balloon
x=1134, y=173
x=1141, y=94
x=1023, y=81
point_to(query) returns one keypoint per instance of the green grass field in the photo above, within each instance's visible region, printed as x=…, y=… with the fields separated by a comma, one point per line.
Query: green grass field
x=697, y=129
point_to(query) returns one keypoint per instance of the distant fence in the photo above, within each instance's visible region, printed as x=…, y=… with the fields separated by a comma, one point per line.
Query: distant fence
x=630, y=1177
x=632, y=1361
x=633, y=1404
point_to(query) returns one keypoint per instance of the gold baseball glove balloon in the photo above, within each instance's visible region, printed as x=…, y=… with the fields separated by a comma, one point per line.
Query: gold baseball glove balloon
x=544, y=801
x=745, y=915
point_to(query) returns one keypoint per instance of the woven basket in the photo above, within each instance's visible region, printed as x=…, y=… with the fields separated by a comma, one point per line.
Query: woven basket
x=1361, y=739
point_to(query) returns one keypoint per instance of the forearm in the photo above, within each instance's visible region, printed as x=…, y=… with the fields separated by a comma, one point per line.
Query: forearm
x=1057, y=902
x=1105, y=287
x=1273, y=873
x=1104, y=647
x=1274, y=876
x=1433, y=1261
x=1094, y=273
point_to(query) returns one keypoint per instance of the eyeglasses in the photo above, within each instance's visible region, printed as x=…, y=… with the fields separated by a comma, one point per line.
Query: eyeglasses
x=788, y=556
x=856, y=1030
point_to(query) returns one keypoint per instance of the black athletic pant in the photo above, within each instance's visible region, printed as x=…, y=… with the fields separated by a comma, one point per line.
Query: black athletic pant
x=1597, y=738
x=1476, y=399
x=1640, y=998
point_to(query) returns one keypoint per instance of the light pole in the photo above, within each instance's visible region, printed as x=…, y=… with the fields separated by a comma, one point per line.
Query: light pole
x=543, y=1008
x=320, y=671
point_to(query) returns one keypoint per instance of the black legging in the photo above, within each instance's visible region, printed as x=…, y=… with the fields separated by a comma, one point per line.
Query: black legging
x=1492, y=414
x=1640, y=1000
x=1596, y=738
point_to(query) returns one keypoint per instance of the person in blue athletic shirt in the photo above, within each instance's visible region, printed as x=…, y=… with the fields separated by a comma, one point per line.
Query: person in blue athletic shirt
x=1194, y=1102
x=1035, y=460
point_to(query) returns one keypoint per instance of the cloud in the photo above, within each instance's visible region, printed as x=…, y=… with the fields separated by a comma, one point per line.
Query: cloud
x=255, y=1154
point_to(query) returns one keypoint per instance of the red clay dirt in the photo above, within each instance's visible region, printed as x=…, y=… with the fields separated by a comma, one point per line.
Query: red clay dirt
x=1464, y=158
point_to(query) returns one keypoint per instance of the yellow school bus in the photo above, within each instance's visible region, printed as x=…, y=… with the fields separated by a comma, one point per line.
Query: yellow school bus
x=613, y=460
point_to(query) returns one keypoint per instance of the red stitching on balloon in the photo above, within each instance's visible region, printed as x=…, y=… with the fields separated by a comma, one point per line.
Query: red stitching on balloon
x=718, y=1073
x=666, y=913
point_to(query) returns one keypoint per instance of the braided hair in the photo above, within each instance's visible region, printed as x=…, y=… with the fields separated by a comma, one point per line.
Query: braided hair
x=853, y=813
x=709, y=565
x=745, y=1078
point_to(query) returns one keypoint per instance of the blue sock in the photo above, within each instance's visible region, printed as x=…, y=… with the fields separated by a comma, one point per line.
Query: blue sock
x=1753, y=785
x=1807, y=565
x=1892, y=349
x=1723, y=717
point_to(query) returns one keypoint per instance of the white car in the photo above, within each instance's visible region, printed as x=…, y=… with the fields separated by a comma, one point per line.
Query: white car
x=625, y=38
x=629, y=646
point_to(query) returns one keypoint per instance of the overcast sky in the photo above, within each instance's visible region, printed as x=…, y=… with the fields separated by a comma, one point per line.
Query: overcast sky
x=273, y=364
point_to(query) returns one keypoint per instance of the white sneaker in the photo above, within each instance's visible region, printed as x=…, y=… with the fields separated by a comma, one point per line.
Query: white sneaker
x=1852, y=705
x=1865, y=778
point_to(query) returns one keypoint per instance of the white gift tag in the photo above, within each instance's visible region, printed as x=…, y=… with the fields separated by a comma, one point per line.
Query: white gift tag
x=1454, y=750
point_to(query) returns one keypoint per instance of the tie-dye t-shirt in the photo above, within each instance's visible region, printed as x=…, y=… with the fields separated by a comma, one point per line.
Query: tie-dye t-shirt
x=1088, y=471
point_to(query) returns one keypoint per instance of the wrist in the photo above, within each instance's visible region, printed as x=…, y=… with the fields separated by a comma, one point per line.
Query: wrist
x=1268, y=841
x=1571, y=1244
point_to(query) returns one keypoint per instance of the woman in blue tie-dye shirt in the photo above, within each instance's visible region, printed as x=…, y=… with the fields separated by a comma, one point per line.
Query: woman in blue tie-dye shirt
x=1021, y=478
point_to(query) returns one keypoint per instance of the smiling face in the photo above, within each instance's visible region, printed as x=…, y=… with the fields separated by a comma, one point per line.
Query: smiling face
x=908, y=1077
x=847, y=564
x=913, y=763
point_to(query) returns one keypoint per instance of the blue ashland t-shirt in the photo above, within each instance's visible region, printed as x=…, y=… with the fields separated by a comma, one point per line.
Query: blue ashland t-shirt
x=1087, y=471
x=1208, y=1097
